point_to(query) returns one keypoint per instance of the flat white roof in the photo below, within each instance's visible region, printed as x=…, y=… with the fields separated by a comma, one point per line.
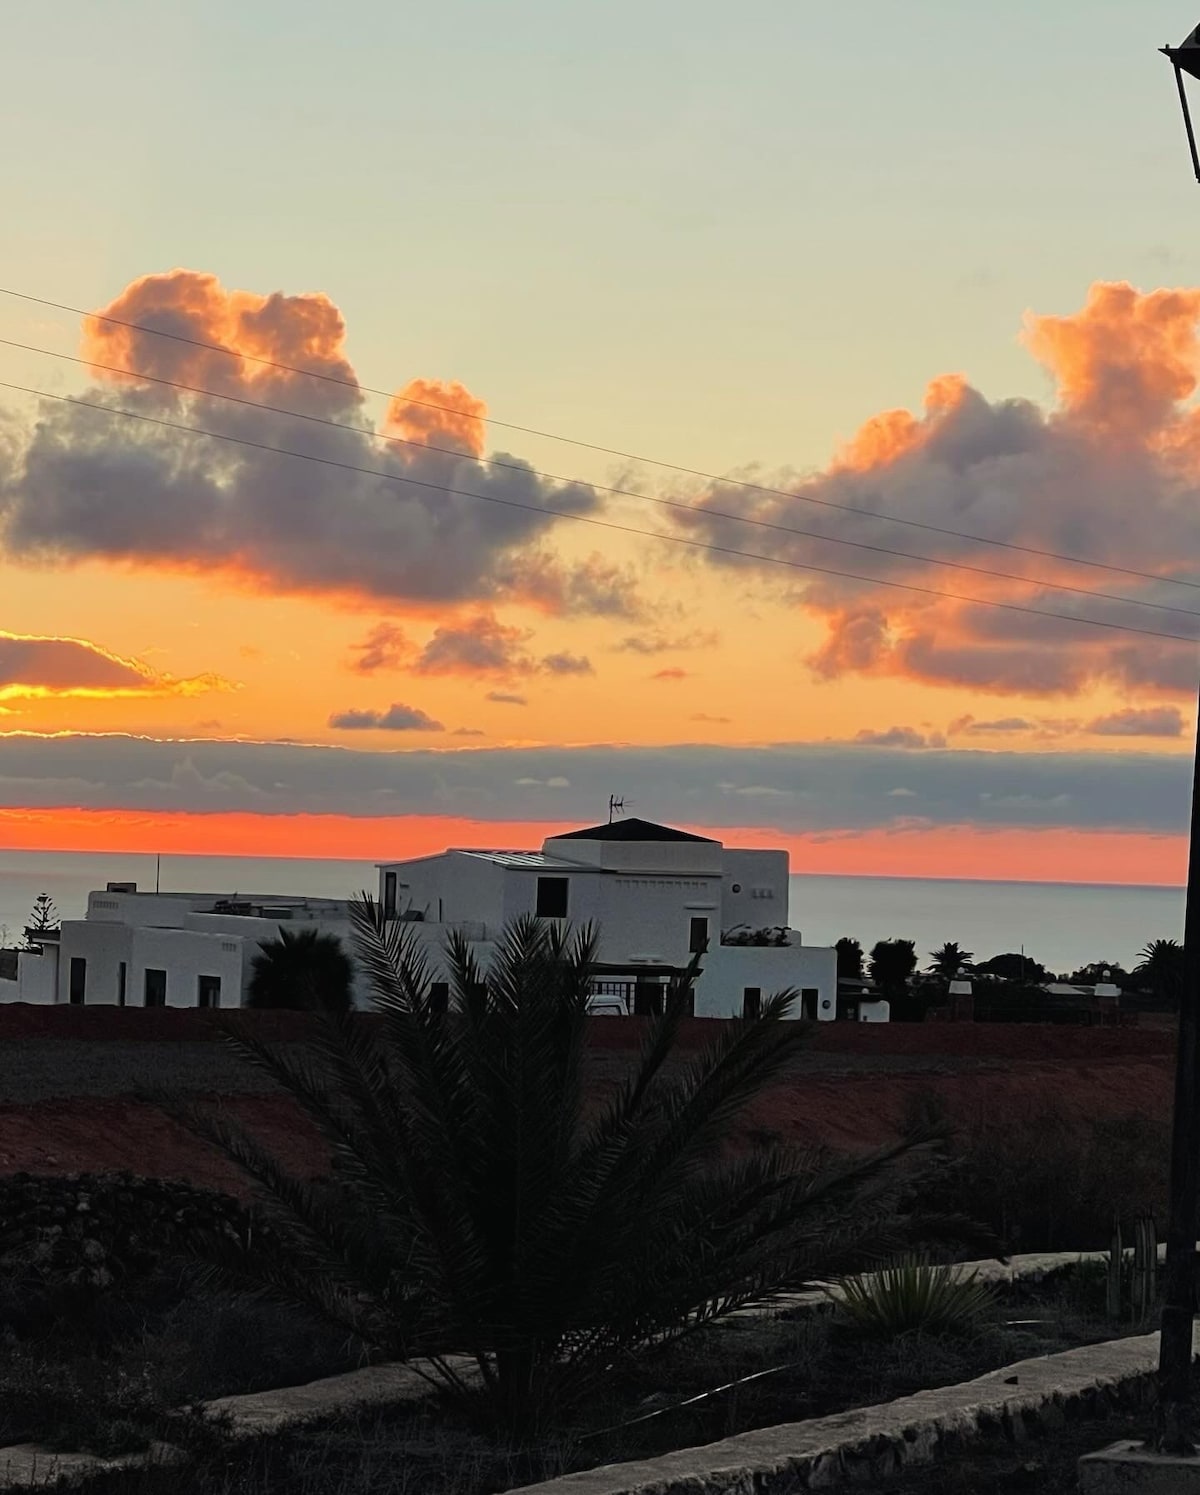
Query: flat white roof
x=527, y=860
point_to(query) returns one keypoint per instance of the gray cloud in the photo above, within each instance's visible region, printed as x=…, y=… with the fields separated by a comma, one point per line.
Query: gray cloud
x=567, y=664
x=506, y=698
x=397, y=718
x=801, y=787
x=665, y=643
x=1156, y=721
x=899, y=737
x=85, y=484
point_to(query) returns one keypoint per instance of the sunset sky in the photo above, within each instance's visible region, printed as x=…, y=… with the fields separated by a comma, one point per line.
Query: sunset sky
x=588, y=288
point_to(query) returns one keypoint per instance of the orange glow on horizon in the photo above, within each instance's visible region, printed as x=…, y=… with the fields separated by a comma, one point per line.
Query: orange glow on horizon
x=958, y=852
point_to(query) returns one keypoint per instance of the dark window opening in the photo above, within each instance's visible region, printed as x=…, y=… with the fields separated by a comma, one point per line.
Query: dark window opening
x=78, y=980
x=439, y=998
x=552, y=897
x=752, y=1001
x=155, y=990
x=208, y=991
x=808, y=1003
x=122, y=979
x=389, y=895
x=698, y=936
x=647, y=999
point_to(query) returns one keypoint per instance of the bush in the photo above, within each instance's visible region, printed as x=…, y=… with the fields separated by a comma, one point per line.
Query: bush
x=914, y=1297
x=1048, y=1181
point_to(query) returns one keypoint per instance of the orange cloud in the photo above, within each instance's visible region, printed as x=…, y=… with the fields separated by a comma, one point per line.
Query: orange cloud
x=437, y=414
x=306, y=331
x=1109, y=474
x=33, y=666
x=1125, y=362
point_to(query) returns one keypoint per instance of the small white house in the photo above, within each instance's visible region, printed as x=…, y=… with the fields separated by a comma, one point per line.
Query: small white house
x=138, y=949
x=657, y=897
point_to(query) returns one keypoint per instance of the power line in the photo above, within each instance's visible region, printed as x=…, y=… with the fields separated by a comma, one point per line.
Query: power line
x=669, y=503
x=608, y=451
x=606, y=524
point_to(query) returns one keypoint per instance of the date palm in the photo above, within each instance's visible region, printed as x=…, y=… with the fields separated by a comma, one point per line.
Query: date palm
x=485, y=1206
x=1161, y=963
x=949, y=960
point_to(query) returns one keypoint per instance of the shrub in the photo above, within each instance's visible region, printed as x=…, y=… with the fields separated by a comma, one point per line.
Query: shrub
x=914, y=1297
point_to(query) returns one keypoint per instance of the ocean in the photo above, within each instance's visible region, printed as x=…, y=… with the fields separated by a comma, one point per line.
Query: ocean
x=1062, y=925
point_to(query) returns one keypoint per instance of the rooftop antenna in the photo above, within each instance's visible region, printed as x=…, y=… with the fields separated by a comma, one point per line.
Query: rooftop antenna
x=615, y=807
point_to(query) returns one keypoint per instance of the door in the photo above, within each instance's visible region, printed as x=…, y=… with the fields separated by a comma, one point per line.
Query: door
x=698, y=936
x=208, y=991
x=78, y=980
x=155, y=990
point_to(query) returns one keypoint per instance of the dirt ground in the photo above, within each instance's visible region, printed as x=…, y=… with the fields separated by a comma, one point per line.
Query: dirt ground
x=69, y=1080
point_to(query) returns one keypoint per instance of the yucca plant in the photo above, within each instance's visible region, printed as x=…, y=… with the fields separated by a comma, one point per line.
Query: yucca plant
x=913, y=1296
x=483, y=1208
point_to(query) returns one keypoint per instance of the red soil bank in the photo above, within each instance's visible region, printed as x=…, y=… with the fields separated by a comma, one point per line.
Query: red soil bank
x=1007, y=1070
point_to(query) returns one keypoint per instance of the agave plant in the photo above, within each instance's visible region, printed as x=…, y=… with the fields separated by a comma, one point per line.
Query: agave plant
x=914, y=1297
x=485, y=1206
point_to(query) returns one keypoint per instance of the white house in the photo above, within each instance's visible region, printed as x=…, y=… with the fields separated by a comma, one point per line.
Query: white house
x=140, y=949
x=657, y=896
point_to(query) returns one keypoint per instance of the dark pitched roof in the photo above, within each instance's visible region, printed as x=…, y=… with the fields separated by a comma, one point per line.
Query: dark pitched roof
x=632, y=829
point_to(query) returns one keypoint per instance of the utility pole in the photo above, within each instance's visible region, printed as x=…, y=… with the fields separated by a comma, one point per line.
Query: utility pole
x=1174, y=1432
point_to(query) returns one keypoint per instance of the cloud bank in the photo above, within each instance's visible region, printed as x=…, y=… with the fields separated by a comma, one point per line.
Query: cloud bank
x=815, y=788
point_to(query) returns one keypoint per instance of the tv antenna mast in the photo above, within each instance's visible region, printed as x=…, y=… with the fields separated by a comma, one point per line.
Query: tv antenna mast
x=615, y=807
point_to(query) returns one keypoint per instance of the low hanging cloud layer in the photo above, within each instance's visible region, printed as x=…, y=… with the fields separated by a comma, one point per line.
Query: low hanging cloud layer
x=814, y=788
x=81, y=484
x=1111, y=473
x=36, y=666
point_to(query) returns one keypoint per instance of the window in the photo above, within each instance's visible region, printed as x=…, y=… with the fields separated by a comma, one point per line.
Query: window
x=552, y=897
x=389, y=895
x=78, y=980
x=155, y=990
x=439, y=997
x=122, y=979
x=208, y=991
x=752, y=1001
x=698, y=936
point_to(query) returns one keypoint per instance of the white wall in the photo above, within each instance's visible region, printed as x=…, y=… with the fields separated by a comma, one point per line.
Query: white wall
x=754, y=889
x=466, y=888
x=37, y=976
x=676, y=857
x=730, y=969
x=639, y=917
x=185, y=956
x=103, y=946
